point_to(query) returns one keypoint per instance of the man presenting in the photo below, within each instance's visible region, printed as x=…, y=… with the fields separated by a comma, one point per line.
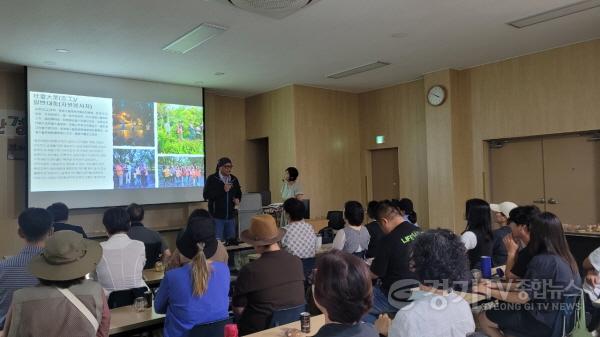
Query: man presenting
x=223, y=193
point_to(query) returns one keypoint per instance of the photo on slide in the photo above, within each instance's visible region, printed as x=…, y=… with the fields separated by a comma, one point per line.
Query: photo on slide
x=180, y=171
x=133, y=168
x=180, y=129
x=133, y=123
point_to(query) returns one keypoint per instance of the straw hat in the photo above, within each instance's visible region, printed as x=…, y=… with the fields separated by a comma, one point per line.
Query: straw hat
x=263, y=231
x=67, y=256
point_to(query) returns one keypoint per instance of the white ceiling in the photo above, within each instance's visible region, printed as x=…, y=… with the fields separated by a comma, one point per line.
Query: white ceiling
x=257, y=53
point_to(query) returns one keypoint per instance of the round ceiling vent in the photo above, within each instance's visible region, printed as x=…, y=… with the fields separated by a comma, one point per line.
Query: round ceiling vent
x=270, y=5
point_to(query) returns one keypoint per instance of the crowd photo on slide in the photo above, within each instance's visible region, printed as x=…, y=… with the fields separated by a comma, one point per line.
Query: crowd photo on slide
x=133, y=168
x=180, y=171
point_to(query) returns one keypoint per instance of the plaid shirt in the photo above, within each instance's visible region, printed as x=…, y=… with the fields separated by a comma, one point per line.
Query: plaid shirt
x=300, y=239
x=14, y=276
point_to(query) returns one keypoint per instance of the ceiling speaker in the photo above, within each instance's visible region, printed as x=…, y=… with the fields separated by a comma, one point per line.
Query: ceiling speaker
x=277, y=9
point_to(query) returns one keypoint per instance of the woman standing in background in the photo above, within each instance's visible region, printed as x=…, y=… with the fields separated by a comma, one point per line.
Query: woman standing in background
x=291, y=188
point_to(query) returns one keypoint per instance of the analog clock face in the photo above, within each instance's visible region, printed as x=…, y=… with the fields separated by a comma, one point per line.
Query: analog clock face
x=436, y=95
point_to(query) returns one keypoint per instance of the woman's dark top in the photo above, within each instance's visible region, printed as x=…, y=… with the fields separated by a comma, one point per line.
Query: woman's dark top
x=484, y=247
x=347, y=330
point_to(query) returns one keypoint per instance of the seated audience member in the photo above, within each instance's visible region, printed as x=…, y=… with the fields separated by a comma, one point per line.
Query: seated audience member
x=440, y=262
x=551, y=274
x=591, y=287
x=300, y=238
x=123, y=259
x=35, y=225
x=501, y=213
x=60, y=215
x=517, y=255
x=177, y=260
x=354, y=237
x=272, y=282
x=407, y=211
x=343, y=293
x=391, y=263
x=149, y=237
x=50, y=308
x=197, y=292
x=374, y=229
x=478, y=236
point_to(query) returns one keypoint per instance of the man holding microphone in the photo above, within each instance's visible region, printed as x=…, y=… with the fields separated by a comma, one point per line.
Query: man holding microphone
x=223, y=193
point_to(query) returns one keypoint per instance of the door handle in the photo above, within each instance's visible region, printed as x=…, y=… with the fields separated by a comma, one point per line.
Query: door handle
x=539, y=201
x=552, y=201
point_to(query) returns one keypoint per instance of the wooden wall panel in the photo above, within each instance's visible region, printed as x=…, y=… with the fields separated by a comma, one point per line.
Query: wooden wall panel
x=13, y=177
x=555, y=91
x=398, y=113
x=327, y=147
x=271, y=115
x=226, y=133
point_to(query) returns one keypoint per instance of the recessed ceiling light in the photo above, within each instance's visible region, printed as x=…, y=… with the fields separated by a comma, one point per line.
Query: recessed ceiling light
x=194, y=38
x=555, y=13
x=60, y=50
x=399, y=35
x=358, y=70
x=218, y=73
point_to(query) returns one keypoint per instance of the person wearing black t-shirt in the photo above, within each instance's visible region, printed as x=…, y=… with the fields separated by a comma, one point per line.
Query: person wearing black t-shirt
x=374, y=229
x=391, y=264
x=517, y=260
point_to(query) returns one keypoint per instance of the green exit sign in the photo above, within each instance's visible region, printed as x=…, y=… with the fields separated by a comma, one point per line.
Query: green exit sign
x=379, y=139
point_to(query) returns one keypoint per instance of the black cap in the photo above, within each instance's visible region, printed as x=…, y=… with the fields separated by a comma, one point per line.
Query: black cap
x=198, y=230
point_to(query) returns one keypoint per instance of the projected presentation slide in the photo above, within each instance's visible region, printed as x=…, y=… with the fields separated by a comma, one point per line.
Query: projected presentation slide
x=95, y=143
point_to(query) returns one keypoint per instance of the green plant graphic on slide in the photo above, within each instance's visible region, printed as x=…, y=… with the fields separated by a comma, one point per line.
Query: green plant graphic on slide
x=180, y=129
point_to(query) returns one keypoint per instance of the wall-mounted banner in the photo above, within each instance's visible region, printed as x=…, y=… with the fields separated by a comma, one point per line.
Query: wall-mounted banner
x=12, y=123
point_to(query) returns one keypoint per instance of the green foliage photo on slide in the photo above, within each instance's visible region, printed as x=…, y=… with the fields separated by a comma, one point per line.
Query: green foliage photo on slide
x=180, y=129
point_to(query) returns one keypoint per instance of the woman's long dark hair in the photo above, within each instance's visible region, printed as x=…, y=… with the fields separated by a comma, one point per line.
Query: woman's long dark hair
x=547, y=236
x=406, y=206
x=479, y=217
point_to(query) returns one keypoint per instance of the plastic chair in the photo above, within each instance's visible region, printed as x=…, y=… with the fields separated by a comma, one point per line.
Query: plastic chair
x=121, y=298
x=285, y=316
x=214, y=329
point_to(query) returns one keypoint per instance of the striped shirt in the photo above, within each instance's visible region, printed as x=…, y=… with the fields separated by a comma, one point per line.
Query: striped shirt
x=14, y=276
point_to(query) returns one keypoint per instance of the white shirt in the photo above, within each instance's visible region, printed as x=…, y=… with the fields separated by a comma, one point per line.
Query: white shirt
x=433, y=316
x=340, y=240
x=469, y=239
x=593, y=292
x=122, y=263
x=300, y=239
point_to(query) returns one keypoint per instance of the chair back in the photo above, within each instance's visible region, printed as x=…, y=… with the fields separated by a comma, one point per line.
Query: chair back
x=287, y=315
x=214, y=329
x=308, y=265
x=306, y=203
x=121, y=298
x=153, y=251
x=336, y=219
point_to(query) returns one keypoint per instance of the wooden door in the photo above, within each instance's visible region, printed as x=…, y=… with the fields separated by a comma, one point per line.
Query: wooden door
x=572, y=178
x=384, y=169
x=516, y=172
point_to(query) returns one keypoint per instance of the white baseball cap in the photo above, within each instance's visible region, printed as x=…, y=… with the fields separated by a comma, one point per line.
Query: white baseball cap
x=503, y=207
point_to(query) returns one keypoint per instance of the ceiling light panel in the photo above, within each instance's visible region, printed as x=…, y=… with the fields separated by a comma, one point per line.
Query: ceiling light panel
x=555, y=13
x=358, y=70
x=194, y=38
